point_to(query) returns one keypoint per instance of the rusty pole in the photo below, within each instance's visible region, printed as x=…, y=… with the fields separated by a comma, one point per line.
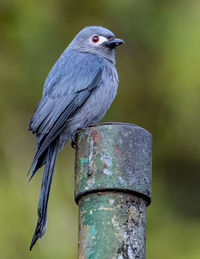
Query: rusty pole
x=113, y=180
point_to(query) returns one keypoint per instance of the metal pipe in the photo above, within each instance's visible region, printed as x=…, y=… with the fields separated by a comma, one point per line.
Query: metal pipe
x=113, y=178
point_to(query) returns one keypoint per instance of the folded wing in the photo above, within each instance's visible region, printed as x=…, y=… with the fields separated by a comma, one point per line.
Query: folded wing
x=61, y=100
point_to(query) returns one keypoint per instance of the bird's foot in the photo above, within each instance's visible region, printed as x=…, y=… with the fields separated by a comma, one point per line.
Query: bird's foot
x=73, y=144
x=74, y=140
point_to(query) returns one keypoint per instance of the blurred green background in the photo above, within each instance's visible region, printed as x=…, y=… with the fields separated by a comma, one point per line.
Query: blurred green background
x=159, y=71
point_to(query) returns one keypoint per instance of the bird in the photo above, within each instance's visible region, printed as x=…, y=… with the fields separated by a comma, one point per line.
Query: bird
x=77, y=92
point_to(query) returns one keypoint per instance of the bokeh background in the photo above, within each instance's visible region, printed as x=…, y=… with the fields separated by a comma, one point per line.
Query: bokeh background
x=159, y=71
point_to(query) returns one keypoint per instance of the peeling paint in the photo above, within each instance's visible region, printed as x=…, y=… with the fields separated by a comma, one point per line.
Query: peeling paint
x=112, y=223
x=108, y=154
x=121, y=180
x=90, y=182
x=116, y=226
x=83, y=241
x=106, y=159
x=108, y=172
x=130, y=252
x=90, y=160
x=111, y=201
x=103, y=208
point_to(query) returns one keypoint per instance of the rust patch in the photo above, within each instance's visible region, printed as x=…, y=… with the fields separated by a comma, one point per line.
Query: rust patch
x=101, y=193
x=95, y=136
x=104, y=165
x=116, y=150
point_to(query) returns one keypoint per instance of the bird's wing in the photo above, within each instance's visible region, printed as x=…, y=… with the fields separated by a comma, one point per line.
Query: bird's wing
x=64, y=97
x=72, y=73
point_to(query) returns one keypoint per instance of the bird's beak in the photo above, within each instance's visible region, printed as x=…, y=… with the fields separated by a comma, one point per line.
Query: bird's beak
x=114, y=43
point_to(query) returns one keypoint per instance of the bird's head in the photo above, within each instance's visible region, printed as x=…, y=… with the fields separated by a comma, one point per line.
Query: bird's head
x=96, y=40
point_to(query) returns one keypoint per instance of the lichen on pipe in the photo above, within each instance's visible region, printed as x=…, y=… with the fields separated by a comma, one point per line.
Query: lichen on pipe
x=112, y=189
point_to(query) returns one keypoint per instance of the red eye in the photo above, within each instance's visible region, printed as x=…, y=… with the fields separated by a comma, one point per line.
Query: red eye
x=95, y=39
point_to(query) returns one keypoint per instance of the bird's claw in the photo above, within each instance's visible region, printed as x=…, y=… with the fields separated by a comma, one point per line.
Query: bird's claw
x=74, y=140
x=73, y=144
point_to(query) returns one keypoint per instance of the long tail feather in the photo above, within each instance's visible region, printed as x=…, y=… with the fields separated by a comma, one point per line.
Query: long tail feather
x=39, y=163
x=44, y=193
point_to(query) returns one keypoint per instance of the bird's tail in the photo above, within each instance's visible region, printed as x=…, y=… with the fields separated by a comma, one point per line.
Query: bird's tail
x=45, y=189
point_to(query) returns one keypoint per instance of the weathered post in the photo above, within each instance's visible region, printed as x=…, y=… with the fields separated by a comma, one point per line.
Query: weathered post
x=113, y=180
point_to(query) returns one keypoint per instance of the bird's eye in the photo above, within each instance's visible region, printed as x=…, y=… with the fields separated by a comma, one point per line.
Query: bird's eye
x=95, y=38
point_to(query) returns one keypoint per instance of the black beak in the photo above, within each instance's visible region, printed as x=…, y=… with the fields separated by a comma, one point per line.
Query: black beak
x=113, y=43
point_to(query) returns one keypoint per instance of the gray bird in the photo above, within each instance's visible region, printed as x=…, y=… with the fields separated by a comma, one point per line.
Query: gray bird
x=77, y=92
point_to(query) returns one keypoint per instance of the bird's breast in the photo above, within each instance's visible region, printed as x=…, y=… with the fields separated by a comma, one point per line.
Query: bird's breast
x=93, y=110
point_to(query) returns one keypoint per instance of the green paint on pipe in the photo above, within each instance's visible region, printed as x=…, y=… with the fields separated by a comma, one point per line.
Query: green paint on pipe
x=112, y=189
x=115, y=223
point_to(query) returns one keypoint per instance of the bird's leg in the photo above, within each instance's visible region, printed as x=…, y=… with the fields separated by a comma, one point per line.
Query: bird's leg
x=73, y=142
